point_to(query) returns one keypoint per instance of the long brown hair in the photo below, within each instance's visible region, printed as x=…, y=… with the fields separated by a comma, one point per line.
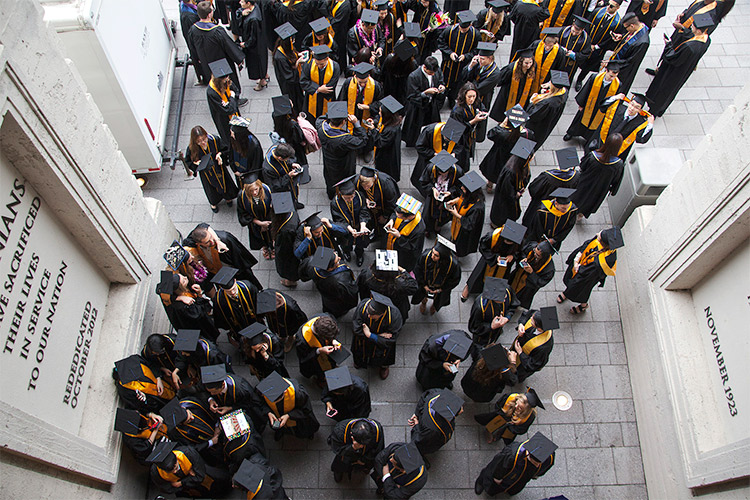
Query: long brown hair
x=465, y=89
x=261, y=194
x=611, y=146
x=196, y=153
x=518, y=71
x=483, y=375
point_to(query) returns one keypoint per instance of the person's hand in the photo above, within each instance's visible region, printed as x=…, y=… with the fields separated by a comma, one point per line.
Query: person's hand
x=366, y=331
x=140, y=395
x=176, y=382
x=453, y=211
x=223, y=410
x=498, y=322
x=431, y=91
x=447, y=366
x=213, y=405
x=428, y=289
x=362, y=106
x=620, y=96
x=393, y=231
x=296, y=170
x=435, y=193
x=521, y=329
x=217, y=431
x=242, y=44
x=218, y=159
x=526, y=266
x=386, y=335
x=454, y=56
x=512, y=357
x=186, y=300
x=441, y=88
x=651, y=119
x=155, y=420
x=517, y=347
x=284, y=419
x=386, y=470
x=580, y=108
x=379, y=52
x=615, y=36
x=326, y=349
x=326, y=222
x=474, y=60
x=324, y=89
x=351, y=230
x=353, y=119
x=369, y=123
x=308, y=233
x=177, y=484
x=413, y=420
x=461, y=57
x=159, y=386
x=482, y=115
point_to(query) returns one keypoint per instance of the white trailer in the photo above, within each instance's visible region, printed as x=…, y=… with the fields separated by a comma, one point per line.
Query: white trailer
x=126, y=54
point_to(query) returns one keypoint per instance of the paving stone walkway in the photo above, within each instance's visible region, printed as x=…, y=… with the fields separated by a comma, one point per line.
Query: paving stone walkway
x=599, y=455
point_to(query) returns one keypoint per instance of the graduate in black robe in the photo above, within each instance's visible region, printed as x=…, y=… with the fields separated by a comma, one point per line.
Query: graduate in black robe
x=247, y=152
x=194, y=476
x=284, y=228
x=604, y=21
x=139, y=387
x=561, y=12
x=286, y=64
x=435, y=138
x=589, y=265
x=349, y=211
x=380, y=192
x=513, y=467
x=488, y=374
x=513, y=415
x=544, y=184
x=318, y=79
x=335, y=283
x=470, y=112
x=287, y=404
x=349, y=401
x=140, y=431
x=574, y=41
x=484, y=73
x=457, y=45
x=223, y=102
x=339, y=145
x=423, y=10
x=366, y=435
x=187, y=309
x=207, y=156
x=376, y=326
x=315, y=346
x=210, y=244
x=439, y=184
x=555, y=219
x=253, y=42
x=196, y=429
x=386, y=138
x=630, y=50
x=235, y=393
x=192, y=356
x=255, y=211
x=468, y=214
x=360, y=90
x=493, y=21
x=365, y=33
x=425, y=95
x=434, y=420
x=338, y=13
x=322, y=34
x=534, y=341
x=298, y=14
x=504, y=137
x=285, y=319
x=397, y=66
x=267, y=482
x=263, y=352
x=625, y=117
x=405, y=233
x=313, y=233
x=499, y=248
x=440, y=357
x=281, y=171
x=526, y=17
x=546, y=108
x=438, y=272
x=159, y=353
x=491, y=310
x=511, y=183
x=597, y=88
x=234, y=305
x=601, y=173
x=649, y=13
x=188, y=17
x=549, y=56
x=405, y=470
x=516, y=82
x=532, y=272
x=397, y=285
x=677, y=64
x=212, y=43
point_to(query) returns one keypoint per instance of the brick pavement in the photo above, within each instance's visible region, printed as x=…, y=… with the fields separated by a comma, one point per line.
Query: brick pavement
x=599, y=454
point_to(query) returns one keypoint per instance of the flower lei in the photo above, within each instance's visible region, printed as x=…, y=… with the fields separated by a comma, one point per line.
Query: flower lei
x=199, y=271
x=385, y=28
x=369, y=40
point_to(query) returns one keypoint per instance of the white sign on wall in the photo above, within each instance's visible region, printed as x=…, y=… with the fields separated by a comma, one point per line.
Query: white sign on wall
x=52, y=301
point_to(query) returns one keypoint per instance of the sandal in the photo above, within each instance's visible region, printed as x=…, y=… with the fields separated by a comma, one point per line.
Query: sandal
x=561, y=298
x=490, y=187
x=261, y=85
x=578, y=309
x=266, y=253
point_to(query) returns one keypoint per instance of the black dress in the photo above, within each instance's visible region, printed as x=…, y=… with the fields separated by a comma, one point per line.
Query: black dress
x=599, y=176
x=287, y=318
x=251, y=34
x=535, y=356
x=212, y=43
x=464, y=114
x=513, y=469
x=630, y=57
x=511, y=92
x=492, y=247
x=261, y=367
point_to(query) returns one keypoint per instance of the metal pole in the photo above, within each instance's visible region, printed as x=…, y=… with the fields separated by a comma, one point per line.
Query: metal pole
x=174, y=152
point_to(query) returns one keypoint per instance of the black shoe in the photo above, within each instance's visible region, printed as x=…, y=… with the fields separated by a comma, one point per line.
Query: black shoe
x=299, y=206
x=360, y=260
x=347, y=256
x=478, y=488
x=215, y=209
x=463, y=299
x=242, y=101
x=229, y=203
x=650, y=71
x=578, y=86
x=567, y=137
x=338, y=476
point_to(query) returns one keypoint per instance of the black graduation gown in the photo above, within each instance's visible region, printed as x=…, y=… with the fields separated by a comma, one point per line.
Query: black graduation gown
x=312, y=364
x=526, y=17
x=192, y=485
x=484, y=392
x=528, y=364
x=598, y=177
x=287, y=318
x=677, y=64
x=212, y=43
x=499, y=153
x=300, y=411
x=218, y=182
x=558, y=63
x=138, y=444
x=500, y=32
x=421, y=109
x=236, y=314
x=483, y=311
x=630, y=58
x=467, y=236
x=409, y=247
x=153, y=402
x=434, y=213
x=305, y=248
x=249, y=211
x=337, y=288
x=544, y=184
x=308, y=43
x=299, y=13
x=260, y=367
x=619, y=125
x=428, y=43
x=554, y=226
x=251, y=34
x=577, y=127
x=387, y=143
x=491, y=246
x=164, y=360
x=244, y=447
x=398, y=485
x=287, y=264
x=544, y=115
x=253, y=160
x=464, y=114
x=238, y=257
x=288, y=78
x=433, y=431
x=443, y=275
x=653, y=12
x=425, y=151
x=504, y=101
x=310, y=86
x=394, y=73
x=339, y=147
x=195, y=316
x=601, y=25
x=353, y=216
x=201, y=428
x=503, y=417
x=188, y=17
x=464, y=44
x=349, y=402
x=524, y=284
x=341, y=442
x=397, y=289
x=355, y=42
x=513, y=469
x=384, y=194
x=272, y=487
x=240, y=395
x=485, y=79
x=578, y=288
x=556, y=18
x=580, y=46
x=296, y=138
x=376, y=350
x=205, y=354
x=506, y=202
x=431, y=373
x=276, y=175
x=339, y=14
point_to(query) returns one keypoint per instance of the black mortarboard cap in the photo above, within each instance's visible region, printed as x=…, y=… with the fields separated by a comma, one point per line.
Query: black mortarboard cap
x=495, y=357
x=320, y=25
x=338, y=378
x=285, y=31
x=495, y=289
x=340, y=355
x=443, y=161
x=367, y=171
x=369, y=16
x=524, y=53
x=534, y=399
x=213, y=373
x=391, y=104
x=161, y=450
x=639, y=98
x=472, y=181
x=320, y=51
x=457, y=344
x=175, y=255
x=337, y=110
x=559, y=79
x=523, y=148
x=552, y=31
x=363, y=69
x=567, y=158
x=549, y=318
x=412, y=30
x=322, y=257
x=186, y=340
x=266, y=301
x=173, y=414
x=517, y=116
x=382, y=4
x=128, y=421
x=465, y=18
x=205, y=163
x=249, y=475
x=225, y=277
x=409, y=458
x=486, y=48
x=273, y=386
x=513, y=231
x=496, y=5
x=382, y=299
x=313, y=220
x=582, y=22
x=220, y=68
x=453, y=130
x=281, y=105
x=703, y=21
x=540, y=447
x=254, y=333
x=166, y=283
x=346, y=186
x=251, y=176
x=282, y=202
x=404, y=50
x=448, y=404
x=442, y=244
x=613, y=65
x=129, y=369
x=613, y=238
x=561, y=194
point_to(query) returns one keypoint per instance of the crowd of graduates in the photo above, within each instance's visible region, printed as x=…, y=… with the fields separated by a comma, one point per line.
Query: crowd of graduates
x=196, y=423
